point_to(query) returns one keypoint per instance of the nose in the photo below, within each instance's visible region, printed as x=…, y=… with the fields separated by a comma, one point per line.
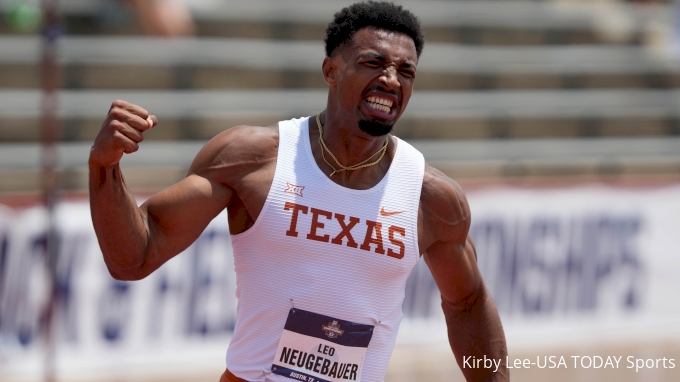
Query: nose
x=389, y=78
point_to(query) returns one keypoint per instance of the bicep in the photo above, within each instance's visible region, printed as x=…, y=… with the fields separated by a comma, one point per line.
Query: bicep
x=454, y=268
x=176, y=216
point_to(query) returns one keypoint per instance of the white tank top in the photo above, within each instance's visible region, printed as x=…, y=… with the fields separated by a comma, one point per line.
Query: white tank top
x=339, y=253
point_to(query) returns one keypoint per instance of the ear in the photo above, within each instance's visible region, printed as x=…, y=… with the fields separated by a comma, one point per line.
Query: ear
x=329, y=69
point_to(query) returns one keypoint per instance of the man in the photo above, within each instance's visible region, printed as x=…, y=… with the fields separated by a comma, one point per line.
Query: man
x=329, y=214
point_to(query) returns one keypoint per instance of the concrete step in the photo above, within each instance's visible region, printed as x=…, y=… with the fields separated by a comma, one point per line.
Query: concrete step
x=423, y=104
x=464, y=128
x=129, y=62
x=470, y=22
x=307, y=55
x=159, y=164
x=430, y=114
x=140, y=77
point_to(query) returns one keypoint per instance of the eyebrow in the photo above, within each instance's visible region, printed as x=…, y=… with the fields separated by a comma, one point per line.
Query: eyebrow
x=382, y=58
x=372, y=55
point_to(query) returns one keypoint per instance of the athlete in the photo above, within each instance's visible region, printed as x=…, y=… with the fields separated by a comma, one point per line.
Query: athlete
x=328, y=216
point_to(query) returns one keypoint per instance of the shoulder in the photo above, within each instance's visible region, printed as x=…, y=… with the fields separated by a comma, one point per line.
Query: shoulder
x=238, y=148
x=444, y=206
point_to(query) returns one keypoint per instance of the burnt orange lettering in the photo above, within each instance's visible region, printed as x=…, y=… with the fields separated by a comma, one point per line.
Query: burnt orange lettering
x=369, y=239
x=398, y=243
x=346, y=230
x=292, y=231
x=317, y=224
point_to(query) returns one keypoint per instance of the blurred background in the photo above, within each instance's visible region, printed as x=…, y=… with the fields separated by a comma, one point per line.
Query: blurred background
x=561, y=119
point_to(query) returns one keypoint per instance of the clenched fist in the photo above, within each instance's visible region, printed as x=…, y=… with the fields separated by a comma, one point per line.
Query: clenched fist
x=121, y=132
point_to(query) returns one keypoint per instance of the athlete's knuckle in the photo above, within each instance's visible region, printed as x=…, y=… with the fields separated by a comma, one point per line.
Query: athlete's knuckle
x=124, y=144
x=132, y=122
x=139, y=122
x=116, y=125
x=137, y=137
x=118, y=104
x=117, y=113
x=117, y=135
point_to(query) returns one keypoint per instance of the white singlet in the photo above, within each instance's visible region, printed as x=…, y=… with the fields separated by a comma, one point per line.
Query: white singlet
x=337, y=256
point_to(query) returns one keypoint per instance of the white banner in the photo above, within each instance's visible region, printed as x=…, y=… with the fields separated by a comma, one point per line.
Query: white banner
x=564, y=266
x=180, y=317
x=582, y=265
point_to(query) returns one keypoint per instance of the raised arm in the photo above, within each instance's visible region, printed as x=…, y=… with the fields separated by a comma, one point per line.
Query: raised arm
x=472, y=320
x=137, y=240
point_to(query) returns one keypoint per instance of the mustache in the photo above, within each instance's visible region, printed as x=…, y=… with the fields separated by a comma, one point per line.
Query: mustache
x=381, y=89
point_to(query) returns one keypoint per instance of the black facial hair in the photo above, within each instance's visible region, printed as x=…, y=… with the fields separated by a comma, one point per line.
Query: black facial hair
x=375, y=128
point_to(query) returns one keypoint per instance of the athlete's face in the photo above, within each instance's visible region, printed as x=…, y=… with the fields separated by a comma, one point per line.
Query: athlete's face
x=372, y=77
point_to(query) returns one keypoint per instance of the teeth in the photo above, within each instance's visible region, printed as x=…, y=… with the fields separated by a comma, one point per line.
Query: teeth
x=381, y=101
x=379, y=107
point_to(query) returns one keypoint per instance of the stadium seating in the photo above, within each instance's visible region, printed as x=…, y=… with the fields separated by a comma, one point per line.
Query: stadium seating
x=505, y=89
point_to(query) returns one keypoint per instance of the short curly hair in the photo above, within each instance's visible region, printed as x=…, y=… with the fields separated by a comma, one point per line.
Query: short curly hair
x=379, y=14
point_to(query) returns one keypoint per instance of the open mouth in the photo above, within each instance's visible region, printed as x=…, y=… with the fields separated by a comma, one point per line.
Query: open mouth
x=381, y=104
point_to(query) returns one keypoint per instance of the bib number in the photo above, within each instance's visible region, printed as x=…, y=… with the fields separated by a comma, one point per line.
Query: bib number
x=318, y=348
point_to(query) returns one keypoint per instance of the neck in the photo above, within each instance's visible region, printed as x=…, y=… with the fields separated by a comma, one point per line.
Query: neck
x=368, y=162
x=346, y=141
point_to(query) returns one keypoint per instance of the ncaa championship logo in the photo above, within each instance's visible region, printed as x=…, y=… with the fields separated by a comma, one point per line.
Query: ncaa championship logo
x=332, y=329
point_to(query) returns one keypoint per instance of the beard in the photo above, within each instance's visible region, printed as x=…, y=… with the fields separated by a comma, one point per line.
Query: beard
x=375, y=128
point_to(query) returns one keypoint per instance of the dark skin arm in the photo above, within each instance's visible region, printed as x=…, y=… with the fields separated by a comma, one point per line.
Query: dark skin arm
x=474, y=326
x=134, y=240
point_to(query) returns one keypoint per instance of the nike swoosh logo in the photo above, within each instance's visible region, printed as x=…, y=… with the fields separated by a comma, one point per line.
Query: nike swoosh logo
x=385, y=213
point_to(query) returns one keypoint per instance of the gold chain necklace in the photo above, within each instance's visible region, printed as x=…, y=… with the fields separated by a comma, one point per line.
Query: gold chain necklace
x=357, y=166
